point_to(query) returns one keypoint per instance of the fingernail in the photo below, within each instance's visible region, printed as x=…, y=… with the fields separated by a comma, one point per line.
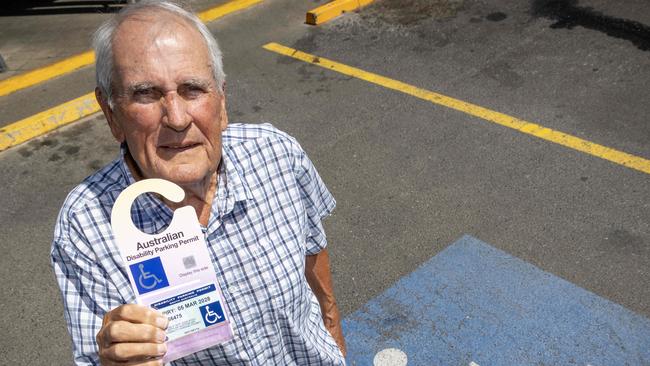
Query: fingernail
x=162, y=349
x=162, y=322
x=161, y=336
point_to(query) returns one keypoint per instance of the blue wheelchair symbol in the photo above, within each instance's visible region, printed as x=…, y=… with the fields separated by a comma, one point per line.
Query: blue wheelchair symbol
x=149, y=275
x=212, y=313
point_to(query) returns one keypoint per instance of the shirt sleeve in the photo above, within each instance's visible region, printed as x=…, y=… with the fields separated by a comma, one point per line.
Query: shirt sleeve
x=317, y=200
x=86, y=291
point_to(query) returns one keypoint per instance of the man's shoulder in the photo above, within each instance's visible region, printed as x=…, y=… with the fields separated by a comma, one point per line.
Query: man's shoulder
x=255, y=145
x=242, y=133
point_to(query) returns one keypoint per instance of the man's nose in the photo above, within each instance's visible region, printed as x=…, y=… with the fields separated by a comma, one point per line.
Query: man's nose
x=175, y=114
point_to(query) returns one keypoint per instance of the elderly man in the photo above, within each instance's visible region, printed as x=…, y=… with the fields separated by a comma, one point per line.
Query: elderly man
x=258, y=198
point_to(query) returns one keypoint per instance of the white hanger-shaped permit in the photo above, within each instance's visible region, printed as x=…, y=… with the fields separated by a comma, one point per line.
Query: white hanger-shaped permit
x=172, y=271
x=121, y=215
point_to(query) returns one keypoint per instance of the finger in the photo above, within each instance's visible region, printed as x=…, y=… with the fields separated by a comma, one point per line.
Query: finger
x=337, y=333
x=124, y=332
x=153, y=362
x=156, y=361
x=134, y=313
x=133, y=352
x=344, y=349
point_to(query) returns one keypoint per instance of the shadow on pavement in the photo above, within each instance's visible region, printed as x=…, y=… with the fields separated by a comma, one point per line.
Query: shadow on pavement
x=567, y=14
x=47, y=7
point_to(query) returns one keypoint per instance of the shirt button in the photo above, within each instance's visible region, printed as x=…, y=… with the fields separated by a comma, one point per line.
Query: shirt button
x=253, y=327
x=255, y=251
x=232, y=289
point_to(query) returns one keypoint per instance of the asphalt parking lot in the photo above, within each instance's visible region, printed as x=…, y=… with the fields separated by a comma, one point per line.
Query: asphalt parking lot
x=411, y=176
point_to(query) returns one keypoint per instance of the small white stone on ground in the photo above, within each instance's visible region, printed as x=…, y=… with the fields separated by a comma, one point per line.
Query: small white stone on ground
x=390, y=357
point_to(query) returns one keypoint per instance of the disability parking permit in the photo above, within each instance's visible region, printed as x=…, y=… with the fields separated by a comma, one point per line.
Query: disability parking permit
x=172, y=272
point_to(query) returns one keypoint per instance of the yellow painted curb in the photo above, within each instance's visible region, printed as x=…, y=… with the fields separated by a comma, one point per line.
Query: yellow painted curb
x=73, y=63
x=529, y=128
x=331, y=10
x=36, y=76
x=38, y=124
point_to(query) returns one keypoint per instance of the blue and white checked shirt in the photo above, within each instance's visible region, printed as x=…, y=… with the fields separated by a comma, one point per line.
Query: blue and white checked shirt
x=266, y=216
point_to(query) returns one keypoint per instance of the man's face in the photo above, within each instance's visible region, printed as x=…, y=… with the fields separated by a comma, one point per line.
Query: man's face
x=167, y=106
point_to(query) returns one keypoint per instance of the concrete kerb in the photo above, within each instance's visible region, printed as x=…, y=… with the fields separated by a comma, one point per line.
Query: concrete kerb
x=333, y=9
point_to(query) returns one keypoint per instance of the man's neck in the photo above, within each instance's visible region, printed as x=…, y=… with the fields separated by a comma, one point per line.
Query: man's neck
x=198, y=195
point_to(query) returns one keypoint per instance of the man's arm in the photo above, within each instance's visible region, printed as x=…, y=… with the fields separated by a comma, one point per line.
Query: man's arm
x=319, y=277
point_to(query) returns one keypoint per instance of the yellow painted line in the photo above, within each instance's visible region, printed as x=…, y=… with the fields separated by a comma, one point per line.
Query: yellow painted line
x=73, y=63
x=36, y=76
x=225, y=9
x=38, y=124
x=529, y=128
x=333, y=9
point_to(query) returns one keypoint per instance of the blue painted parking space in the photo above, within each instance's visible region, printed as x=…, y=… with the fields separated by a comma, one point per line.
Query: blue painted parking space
x=473, y=304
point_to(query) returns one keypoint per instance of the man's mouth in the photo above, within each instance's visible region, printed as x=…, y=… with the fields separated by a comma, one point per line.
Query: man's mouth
x=179, y=147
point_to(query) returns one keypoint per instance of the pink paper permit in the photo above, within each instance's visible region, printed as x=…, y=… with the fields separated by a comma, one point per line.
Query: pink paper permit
x=172, y=272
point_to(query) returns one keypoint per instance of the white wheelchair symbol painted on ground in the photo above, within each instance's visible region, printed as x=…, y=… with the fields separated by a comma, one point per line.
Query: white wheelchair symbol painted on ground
x=144, y=275
x=390, y=357
x=209, y=314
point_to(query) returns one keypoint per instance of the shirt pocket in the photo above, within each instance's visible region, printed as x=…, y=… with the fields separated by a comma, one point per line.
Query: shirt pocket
x=254, y=281
x=286, y=260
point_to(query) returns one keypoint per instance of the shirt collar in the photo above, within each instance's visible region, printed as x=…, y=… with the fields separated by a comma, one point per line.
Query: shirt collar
x=231, y=188
x=155, y=208
x=126, y=172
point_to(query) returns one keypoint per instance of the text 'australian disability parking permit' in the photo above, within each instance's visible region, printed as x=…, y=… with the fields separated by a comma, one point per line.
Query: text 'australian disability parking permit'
x=172, y=272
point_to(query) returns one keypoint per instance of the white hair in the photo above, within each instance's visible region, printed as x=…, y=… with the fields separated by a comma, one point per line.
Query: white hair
x=103, y=42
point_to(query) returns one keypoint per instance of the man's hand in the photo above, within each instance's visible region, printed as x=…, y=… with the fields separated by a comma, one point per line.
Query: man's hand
x=332, y=320
x=132, y=335
x=319, y=277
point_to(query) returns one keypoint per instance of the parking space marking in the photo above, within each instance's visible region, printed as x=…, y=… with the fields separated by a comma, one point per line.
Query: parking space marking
x=86, y=58
x=473, y=304
x=39, y=75
x=529, y=128
x=225, y=9
x=38, y=124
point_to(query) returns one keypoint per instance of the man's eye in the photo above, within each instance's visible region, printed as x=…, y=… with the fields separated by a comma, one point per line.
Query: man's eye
x=145, y=95
x=192, y=91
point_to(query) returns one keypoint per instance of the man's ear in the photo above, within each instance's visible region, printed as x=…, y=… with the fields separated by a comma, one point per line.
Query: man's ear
x=223, y=113
x=116, y=129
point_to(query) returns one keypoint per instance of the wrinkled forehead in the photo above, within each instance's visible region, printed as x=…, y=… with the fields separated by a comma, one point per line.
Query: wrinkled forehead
x=145, y=42
x=143, y=29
